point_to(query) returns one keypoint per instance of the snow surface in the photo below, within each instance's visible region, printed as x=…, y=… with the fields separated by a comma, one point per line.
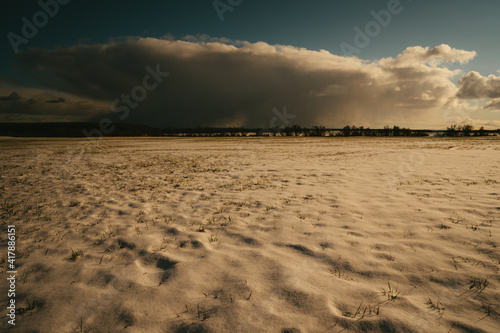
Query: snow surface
x=253, y=234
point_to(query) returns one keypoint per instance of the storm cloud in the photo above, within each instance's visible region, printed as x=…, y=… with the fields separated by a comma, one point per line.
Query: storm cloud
x=11, y=98
x=219, y=83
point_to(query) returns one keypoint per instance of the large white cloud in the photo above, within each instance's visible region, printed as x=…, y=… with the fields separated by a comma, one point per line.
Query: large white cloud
x=433, y=56
x=474, y=86
x=219, y=83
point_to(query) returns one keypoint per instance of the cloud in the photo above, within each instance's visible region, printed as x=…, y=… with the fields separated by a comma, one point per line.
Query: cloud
x=214, y=82
x=55, y=101
x=203, y=38
x=33, y=104
x=11, y=98
x=435, y=56
x=495, y=105
x=475, y=86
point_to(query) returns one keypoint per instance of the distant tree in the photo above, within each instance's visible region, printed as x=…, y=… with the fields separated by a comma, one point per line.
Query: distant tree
x=296, y=129
x=354, y=131
x=357, y=131
x=346, y=131
x=275, y=129
x=482, y=132
x=406, y=132
x=467, y=129
x=318, y=131
x=396, y=131
x=387, y=131
x=453, y=130
x=361, y=130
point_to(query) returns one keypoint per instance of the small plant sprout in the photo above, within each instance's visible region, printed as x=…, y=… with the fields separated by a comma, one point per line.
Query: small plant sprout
x=340, y=273
x=391, y=293
x=473, y=226
x=74, y=255
x=478, y=284
x=81, y=327
x=168, y=219
x=436, y=306
x=364, y=311
x=138, y=230
x=220, y=210
x=488, y=220
x=455, y=220
x=74, y=203
x=444, y=226
x=31, y=305
x=488, y=309
x=214, y=239
x=300, y=215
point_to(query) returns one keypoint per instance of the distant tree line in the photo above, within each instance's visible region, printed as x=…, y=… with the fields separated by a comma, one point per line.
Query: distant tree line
x=467, y=130
x=386, y=131
x=74, y=130
x=347, y=131
x=121, y=129
x=297, y=130
x=353, y=131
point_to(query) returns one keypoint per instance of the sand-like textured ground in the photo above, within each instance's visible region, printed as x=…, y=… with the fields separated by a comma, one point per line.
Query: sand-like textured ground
x=253, y=234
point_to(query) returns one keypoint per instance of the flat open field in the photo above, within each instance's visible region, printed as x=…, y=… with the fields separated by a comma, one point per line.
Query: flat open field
x=253, y=234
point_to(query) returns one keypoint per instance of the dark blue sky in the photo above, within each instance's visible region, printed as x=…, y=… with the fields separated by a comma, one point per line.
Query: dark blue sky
x=313, y=25
x=463, y=24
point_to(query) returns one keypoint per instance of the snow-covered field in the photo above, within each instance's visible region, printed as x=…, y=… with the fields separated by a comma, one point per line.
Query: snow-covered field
x=252, y=234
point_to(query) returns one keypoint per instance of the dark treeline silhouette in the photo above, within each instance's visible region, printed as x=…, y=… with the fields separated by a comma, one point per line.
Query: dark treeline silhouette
x=297, y=130
x=120, y=129
x=386, y=131
x=347, y=131
x=468, y=130
x=74, y=130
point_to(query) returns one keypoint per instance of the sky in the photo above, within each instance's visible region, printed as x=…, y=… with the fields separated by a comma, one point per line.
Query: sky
x=414, y=63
